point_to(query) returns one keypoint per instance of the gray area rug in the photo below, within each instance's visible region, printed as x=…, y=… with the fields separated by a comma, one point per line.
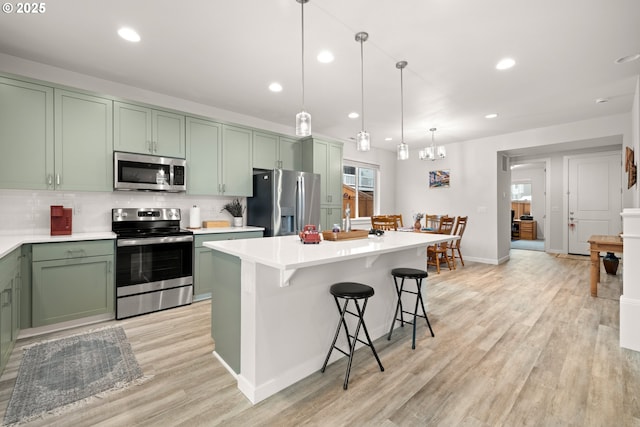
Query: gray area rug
x=529, y=245
x=68, y=370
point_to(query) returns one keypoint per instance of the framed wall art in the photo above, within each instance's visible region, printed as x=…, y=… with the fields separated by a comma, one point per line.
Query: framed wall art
x=630, y=167
x=439, y=178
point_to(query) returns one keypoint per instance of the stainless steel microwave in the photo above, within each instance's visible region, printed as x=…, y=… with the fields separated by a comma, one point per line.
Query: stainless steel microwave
x=149, y=173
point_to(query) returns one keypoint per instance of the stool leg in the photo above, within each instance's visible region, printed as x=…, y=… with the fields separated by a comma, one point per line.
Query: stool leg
x=355, y=338
x=422, y=304
x=366, y=332
x=335, y=338
x=400, y=303
x=398, y=307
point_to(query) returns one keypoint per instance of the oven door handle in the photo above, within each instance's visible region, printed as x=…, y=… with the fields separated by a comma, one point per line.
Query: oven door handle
x=154, y=240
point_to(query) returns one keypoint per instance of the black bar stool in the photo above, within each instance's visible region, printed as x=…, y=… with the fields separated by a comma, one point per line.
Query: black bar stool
x=418, y=275
x=351, y=291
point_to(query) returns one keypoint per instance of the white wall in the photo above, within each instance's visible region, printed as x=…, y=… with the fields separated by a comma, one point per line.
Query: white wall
x=476, y=183
x=635, y=139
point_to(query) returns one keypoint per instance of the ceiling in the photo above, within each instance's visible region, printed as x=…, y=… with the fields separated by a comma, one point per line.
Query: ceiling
x=226, y=53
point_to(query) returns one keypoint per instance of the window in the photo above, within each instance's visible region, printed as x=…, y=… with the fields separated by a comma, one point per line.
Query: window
x=359, y=188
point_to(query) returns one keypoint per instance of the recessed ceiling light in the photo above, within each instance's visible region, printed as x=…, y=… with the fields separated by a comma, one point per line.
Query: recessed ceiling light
x=602, y=100
x=491, y=116
x=629, y=58
x=275, y=87
x=388, y=139
x=129, y=34
x=325, y=57
x=505, y=64
x=354, y=115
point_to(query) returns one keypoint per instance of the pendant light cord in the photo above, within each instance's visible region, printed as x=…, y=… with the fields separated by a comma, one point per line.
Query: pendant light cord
x=362, y=78
x=401, y=109
x=302, y=15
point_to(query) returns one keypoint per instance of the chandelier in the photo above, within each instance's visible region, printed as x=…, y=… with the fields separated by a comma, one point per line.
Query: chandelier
x=433, y=152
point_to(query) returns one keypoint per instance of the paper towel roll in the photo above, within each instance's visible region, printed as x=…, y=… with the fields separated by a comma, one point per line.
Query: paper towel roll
x=194, y=217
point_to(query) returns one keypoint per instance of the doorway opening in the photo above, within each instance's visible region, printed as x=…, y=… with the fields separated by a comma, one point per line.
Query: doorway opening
x=528, y=206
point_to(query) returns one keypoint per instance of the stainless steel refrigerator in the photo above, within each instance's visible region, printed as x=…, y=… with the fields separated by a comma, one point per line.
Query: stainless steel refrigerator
x=284, y=201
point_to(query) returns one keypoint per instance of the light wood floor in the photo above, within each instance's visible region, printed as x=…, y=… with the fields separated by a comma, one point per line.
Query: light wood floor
x=518, y=344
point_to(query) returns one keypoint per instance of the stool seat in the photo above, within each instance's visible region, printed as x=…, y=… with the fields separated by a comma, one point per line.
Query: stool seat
x=409, y=273
x=351, y=290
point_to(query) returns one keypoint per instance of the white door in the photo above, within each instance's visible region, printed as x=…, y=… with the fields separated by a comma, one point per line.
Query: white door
x=595, y=198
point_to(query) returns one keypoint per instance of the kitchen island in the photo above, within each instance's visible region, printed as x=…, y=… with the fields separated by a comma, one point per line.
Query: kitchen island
x=273, y=318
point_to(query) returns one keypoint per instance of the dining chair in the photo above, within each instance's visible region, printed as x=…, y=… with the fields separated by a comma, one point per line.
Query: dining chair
x=384, y=222
x=461, y=225
x=440, y=252
x=432, y=222
x=398, y=218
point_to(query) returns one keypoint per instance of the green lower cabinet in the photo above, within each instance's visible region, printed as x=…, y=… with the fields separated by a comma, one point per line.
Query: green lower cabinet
x=76, y=283
x=203, y=273
x=225, y=308
x=203, y=267
x=10, y=282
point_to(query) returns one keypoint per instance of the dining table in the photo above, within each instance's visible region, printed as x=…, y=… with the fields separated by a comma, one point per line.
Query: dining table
x=601, y=243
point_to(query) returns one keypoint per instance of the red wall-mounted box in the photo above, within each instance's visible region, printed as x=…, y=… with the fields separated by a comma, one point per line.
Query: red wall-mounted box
x=61, y=220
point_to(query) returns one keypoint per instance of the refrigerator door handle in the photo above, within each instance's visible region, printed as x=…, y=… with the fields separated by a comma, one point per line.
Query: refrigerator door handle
x=300, y=208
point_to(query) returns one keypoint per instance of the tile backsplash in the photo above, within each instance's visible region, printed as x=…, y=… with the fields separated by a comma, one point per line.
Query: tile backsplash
x=28, y=211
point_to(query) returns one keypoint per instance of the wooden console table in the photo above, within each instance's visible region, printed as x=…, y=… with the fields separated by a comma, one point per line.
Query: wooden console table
x=597, y=244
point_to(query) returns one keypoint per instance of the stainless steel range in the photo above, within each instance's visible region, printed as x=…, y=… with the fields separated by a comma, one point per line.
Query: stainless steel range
x=154, y=260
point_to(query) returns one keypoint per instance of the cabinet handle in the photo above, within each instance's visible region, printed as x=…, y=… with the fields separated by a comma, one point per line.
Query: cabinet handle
x=80, y=252
x=155, y=146
x=8, y=299
x=57, y=179
x=49, y=180
x=149, y=146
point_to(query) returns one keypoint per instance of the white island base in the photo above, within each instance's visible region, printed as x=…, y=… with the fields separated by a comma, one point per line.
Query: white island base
x=287, y=317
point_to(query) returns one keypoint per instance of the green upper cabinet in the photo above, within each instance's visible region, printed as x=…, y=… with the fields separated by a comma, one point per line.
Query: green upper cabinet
x=139, y=129
x=237, y=161
x=219, y=159
x=325, y=158
x=83, y=142
x=77, y=156
x=271, y=151
x=265, y=150
x=290, y=153
x=203, y=156
x=26, y=134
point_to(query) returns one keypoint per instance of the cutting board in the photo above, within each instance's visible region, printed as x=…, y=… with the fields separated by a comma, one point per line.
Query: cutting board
x=215, y=224
x=345, y=235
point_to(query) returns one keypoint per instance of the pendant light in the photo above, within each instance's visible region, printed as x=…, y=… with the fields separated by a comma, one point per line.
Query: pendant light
x=403, y=149
x=303, y=119
x=433, y=152
x=363, y=141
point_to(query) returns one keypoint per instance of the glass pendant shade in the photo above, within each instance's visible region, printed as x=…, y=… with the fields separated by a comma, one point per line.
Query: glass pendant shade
x=403, y=151
x=363, y=142
x=303, y=123
x=442, y=152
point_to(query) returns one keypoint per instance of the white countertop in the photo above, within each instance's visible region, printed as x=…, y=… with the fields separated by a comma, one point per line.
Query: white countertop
x=215, y=230
x=288, y=252
x=10, y=242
